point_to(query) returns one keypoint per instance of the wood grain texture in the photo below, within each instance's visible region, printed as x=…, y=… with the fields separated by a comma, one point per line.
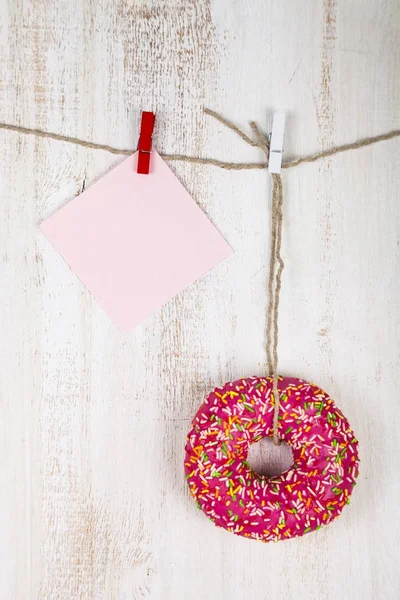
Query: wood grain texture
x=93, y=501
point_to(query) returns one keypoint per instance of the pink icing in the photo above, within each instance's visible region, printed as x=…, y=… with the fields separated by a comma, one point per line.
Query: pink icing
x=307, y=496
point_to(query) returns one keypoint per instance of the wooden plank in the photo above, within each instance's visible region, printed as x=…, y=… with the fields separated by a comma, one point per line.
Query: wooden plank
x=93, y=501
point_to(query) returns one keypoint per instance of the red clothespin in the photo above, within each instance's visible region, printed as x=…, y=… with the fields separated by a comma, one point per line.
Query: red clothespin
x=144, y=146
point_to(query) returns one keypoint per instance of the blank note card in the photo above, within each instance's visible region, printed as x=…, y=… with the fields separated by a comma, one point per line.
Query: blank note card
x=135, y=240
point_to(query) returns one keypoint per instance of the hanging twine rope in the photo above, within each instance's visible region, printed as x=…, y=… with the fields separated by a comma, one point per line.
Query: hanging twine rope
x=276, y=264
x=206, y=161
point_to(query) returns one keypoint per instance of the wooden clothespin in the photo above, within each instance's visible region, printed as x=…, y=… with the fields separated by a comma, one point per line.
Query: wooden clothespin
x=144, y=146
x=276, y=143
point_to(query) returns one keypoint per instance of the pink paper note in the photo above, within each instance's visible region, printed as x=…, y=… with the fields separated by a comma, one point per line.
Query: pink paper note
x=135, y=240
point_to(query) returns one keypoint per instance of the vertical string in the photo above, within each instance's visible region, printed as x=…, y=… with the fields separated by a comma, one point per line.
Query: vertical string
x=276, y=268
x=270, y=312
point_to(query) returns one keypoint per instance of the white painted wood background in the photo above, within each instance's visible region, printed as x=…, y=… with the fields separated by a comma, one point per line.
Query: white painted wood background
x=93, y=501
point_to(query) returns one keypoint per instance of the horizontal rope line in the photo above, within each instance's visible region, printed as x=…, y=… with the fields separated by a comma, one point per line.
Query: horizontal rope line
x=198, y=160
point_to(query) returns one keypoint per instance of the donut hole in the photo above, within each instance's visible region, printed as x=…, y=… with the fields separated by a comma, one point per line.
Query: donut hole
x=269, y=460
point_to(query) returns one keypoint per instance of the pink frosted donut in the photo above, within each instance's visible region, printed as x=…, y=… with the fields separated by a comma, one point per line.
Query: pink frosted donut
x=309, y=495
